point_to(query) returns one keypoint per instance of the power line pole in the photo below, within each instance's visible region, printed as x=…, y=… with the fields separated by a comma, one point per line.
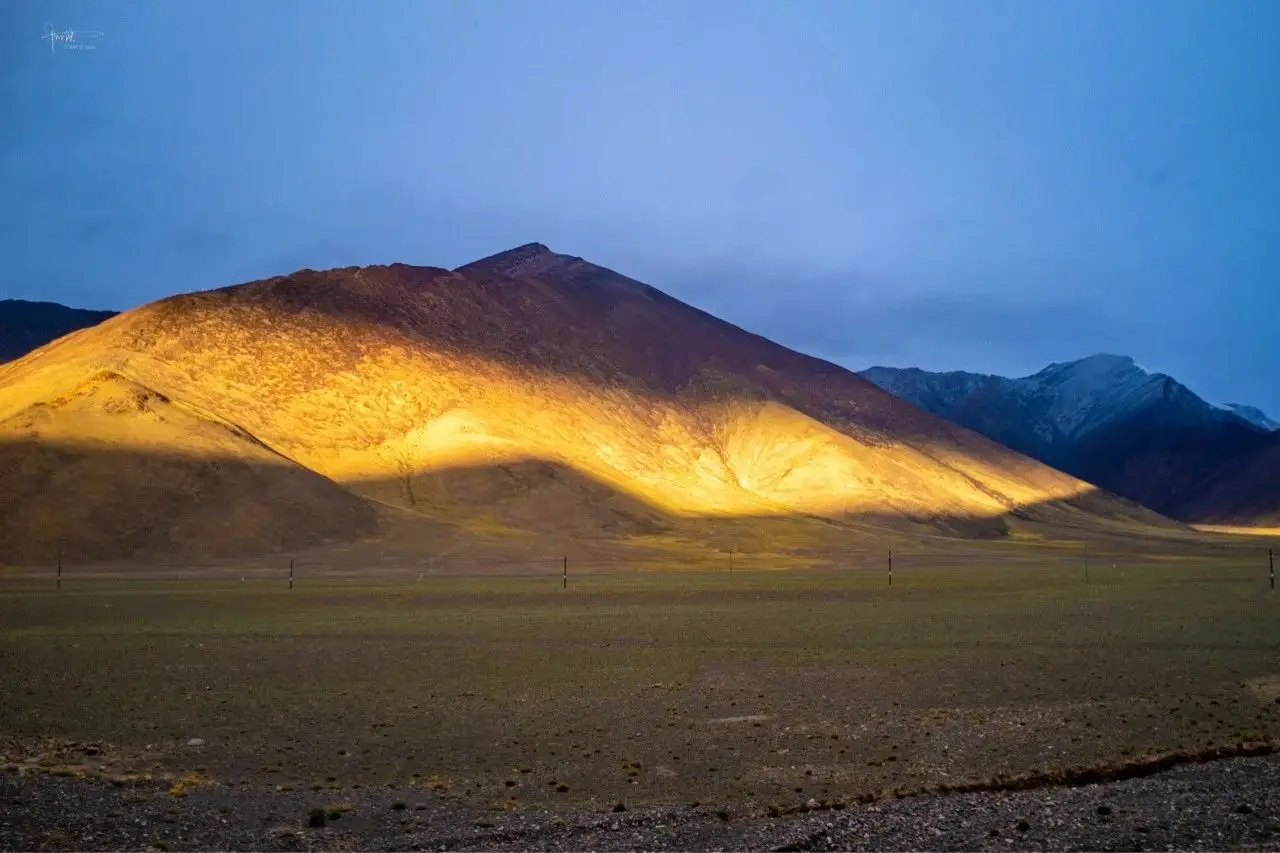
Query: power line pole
x=890, y=567
x=565, y=584
x=290, y=573
x=1271, y=564
x=59, y=565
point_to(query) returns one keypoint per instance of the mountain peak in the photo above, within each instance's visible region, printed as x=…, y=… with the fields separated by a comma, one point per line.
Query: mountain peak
x=1109, y=359
x=1102, y=370
x=513, y=261
x=1097, y=363
x=1108, y=420
x=526, y=250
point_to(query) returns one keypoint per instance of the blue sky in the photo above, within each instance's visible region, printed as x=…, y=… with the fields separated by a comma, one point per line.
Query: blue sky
x=954, y=185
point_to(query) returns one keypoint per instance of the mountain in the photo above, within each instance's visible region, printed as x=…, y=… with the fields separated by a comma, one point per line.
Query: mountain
x=24, y=326
x=530, y=394
x=1110, y=422
x=1253, y=415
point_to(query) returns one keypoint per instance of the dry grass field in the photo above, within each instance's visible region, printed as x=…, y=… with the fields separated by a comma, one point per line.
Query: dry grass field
x=761, y=687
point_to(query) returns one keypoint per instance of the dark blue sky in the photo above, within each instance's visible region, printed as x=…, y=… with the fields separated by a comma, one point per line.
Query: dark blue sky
x=955, y=185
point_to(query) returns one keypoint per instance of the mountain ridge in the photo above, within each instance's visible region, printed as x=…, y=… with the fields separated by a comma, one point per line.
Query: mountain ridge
x=1253, y=415
x=1106, y=419
x=26, y=325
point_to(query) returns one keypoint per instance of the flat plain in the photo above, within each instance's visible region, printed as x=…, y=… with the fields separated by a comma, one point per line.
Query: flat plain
x=756, y=689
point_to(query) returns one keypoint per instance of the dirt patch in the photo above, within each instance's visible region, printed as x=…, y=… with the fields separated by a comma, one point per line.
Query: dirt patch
x=1266, y=688
x=748, y=718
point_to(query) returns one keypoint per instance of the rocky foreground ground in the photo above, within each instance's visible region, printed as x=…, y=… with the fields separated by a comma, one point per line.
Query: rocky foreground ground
x=1220, y=805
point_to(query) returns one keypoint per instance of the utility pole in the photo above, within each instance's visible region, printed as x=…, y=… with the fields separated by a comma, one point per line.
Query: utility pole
x=890, y=567
x=59, y=565
x=290, y=573
x=1271, y=564
x=566, y=574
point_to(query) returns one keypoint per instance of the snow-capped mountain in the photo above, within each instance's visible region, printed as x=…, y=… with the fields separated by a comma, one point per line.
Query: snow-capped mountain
x=1064, y=402
x=1105, y=419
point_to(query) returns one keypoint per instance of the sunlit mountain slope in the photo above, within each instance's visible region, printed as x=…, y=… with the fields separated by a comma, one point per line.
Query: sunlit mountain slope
x=529, y=390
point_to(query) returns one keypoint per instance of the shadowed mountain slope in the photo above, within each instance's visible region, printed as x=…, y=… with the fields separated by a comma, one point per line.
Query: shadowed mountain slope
x=1109, y=421
x=1243, y=491
x=1253, y=415
x=24, y=326
x=456, y=394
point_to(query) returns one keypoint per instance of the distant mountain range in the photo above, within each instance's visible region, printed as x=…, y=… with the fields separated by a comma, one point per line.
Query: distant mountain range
x=24, y=326
x=1109, y=421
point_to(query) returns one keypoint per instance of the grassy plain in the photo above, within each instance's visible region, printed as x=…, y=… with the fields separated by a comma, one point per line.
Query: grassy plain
x=760, y=687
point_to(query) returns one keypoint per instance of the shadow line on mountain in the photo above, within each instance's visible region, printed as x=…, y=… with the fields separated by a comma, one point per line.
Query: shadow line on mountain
x=97, y=504
x=540, y=489
x=614, y=334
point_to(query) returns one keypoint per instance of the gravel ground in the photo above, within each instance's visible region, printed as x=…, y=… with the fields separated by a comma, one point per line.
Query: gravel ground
x=1220, y=805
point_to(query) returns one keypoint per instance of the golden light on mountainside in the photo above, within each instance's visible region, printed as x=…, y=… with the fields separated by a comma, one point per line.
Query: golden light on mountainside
x=1238, y=530
x=465, y=393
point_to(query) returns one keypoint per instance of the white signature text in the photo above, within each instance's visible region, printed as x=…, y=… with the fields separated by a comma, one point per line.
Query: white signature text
x=70, y=39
